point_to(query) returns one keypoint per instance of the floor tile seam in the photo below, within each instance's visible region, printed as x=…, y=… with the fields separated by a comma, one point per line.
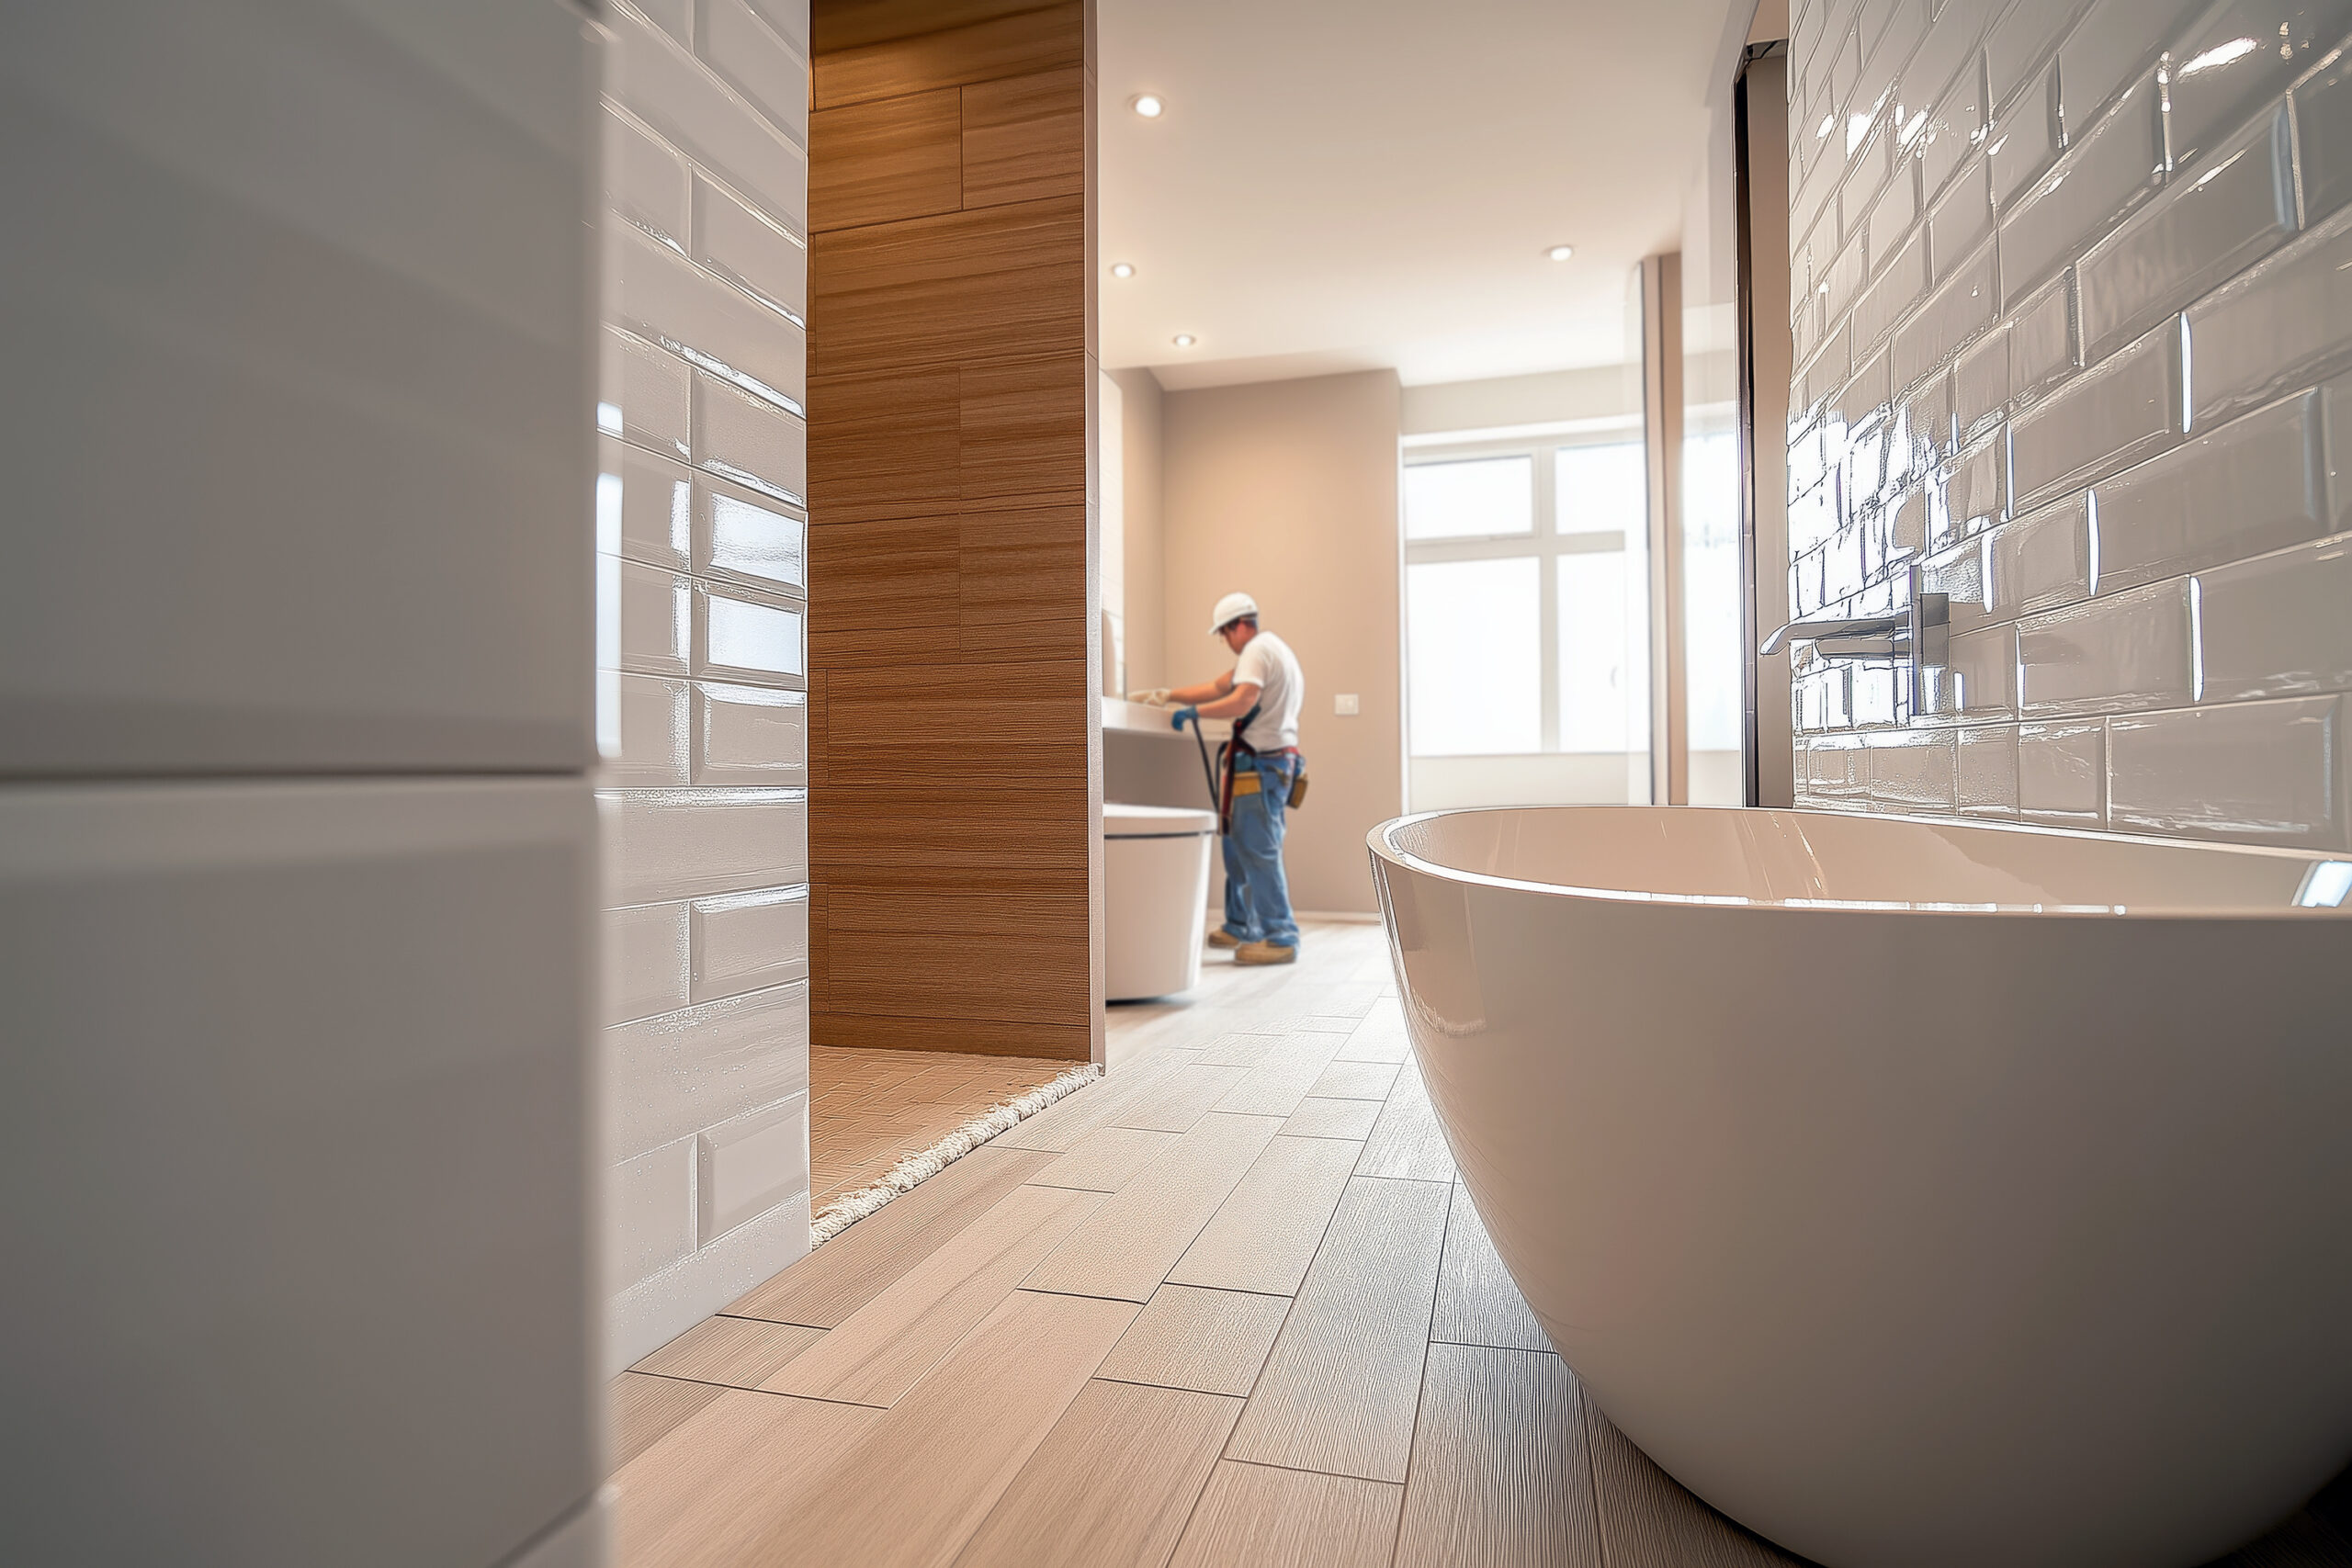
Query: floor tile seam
x=1421, y=1388
x=1437, y=1338
x=769, y=1393
x=778, y=1322
x=1310, y=1470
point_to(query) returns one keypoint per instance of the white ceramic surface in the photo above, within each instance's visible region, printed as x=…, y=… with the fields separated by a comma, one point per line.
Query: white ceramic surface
x=1916, y=1194
x=1155, y=887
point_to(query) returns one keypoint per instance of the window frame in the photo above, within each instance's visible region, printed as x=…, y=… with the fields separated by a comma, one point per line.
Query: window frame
x=1546, y=543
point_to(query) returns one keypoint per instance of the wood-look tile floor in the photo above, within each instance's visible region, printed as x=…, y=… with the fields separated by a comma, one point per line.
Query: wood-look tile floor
x=869, y=1109
x=1227, y=1306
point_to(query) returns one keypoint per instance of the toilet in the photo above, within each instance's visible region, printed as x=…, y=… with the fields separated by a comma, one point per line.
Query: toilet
x=1155, y=895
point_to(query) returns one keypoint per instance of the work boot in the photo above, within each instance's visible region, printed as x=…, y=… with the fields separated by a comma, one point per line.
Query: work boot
x=1264, y=953
x=1224, y=940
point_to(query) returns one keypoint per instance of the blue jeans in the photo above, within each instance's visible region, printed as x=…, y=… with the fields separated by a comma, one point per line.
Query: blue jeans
x=1257, y=894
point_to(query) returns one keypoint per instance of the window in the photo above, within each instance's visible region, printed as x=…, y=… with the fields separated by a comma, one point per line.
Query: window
x=1526, y=621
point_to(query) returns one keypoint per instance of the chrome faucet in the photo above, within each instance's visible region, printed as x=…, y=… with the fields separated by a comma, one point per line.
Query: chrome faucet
x=1920, y=632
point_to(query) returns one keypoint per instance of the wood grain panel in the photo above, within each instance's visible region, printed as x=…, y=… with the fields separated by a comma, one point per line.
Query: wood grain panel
x=859, y=1265
x=963, y=289
x=739, y=1351
x=892, y=595
x=1646, y=1516
x=904, y=60
x=1213, y=1341
x=944, y=1454
x=976, y=1036
x=1339, y=1393
x=881, y=445
x=1112, y=1483
x=942, y=835
x=884, y=1347
x=1477, y=1302
x=890, y=159
x=1024, y=432
x=1252, y=1517
x=645, y=1409
x=1024, y=137
x=1263, y=1236
x=849, y=24
x=1500, y=1470
x=981, y=954
x=1127, y=1248
x=728, y=1480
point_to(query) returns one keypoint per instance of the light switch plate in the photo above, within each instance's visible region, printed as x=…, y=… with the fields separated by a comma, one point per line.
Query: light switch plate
x=1346, y=705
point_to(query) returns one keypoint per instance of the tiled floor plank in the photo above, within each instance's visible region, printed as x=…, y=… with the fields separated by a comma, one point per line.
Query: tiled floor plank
x=1477, y=1302
x=645, y=1409
x=1125, y=1249
x=1112, y=1483
x=731, y=1481
x=1106, y=1159
x=739, y=1351
x=1647, y=1517
x=1210, y=1341
x=1263, y=1236
x=1406, y=1141
x=1253, y=1516
x=1339, y=1393
x=1349, y=1119
x=1501, y=1475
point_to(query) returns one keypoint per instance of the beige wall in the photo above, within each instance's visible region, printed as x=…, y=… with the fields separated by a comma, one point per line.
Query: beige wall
x=1288, y=491
x=1144, y=562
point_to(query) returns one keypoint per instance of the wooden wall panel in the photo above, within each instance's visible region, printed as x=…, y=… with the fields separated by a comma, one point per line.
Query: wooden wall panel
x=1052, y=38
x=955, y=769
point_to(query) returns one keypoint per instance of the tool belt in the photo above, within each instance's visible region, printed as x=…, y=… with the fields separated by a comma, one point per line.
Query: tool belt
x=1233, y=782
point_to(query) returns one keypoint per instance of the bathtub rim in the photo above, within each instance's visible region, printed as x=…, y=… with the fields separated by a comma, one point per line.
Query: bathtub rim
x=1380, y=841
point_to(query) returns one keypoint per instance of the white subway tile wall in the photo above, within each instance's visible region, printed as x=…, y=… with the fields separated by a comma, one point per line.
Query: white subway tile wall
x=2070, y=281
x=702, y=525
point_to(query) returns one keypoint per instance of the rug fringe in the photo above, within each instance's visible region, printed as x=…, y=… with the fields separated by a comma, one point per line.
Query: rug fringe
x=910, y=1172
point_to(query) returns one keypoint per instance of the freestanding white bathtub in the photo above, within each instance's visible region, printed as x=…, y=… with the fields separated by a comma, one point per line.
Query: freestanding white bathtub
x=1915, y=1193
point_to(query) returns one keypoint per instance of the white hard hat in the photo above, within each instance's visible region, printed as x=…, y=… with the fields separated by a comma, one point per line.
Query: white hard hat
x=1231, y=608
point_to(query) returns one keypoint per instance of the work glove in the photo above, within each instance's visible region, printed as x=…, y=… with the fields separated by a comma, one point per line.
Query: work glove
x=1184, y=715
x=1157, y=697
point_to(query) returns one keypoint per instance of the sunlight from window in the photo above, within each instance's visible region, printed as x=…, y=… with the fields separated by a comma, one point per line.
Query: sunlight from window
x=1470, y=499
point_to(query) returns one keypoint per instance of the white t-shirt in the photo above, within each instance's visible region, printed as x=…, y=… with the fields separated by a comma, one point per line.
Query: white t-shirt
x=1267, y=663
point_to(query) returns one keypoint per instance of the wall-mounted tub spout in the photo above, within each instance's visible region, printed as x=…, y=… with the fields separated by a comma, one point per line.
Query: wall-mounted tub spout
x=1920, y=632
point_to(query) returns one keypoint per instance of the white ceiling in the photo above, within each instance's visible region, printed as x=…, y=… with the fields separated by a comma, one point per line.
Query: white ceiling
x=1353, y=183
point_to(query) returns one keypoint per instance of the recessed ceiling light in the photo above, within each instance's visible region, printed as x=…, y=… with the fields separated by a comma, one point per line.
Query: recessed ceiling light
x=1560, y=252
x=1122, y=269
x=1147, y=104
x=1185, y=340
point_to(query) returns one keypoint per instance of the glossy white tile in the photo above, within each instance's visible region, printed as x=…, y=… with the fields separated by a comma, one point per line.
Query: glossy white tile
x=751, y=1164
x=666, y=298
x=2251, y=486
x=749, y=440
x=750, y=55
x=652, y=726
x=1901, y=283
x=2239, y=207
x=742, y=533
x=647, y=394
x=648, y=1213
x=1986, y=772
x=2217, y=83
x=2282, y=325
x=645, y=180
x=2277, y=625
x=2135, y=649
x=2115, y=41
x=672, y=1075
x=749, y=941
x=2022, y=41
x=2062, y=773
x=750, y=734
x=1839, y=771
x=2255, y=772
x=685, y=844
x=2118, y=412
x=1884, y=230
x=2045, y=561
x=1961, y=306
x=1955, y=127
x=1912, y=772
x=678, y=95
x=654, y=612
x=645, y=949
x=742, y=637
x=1974, y=492
x=738, y=242
x=2324, y=133
x=1979, y=680
x=1980, y=386
x=2103, y=176
x=2023, y=140
x=1962, y=574
x=2042, y=351
x=644, y=508
x=790, y=20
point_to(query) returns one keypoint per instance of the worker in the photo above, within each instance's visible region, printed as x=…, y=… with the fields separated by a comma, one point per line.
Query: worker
x=1262, y=696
